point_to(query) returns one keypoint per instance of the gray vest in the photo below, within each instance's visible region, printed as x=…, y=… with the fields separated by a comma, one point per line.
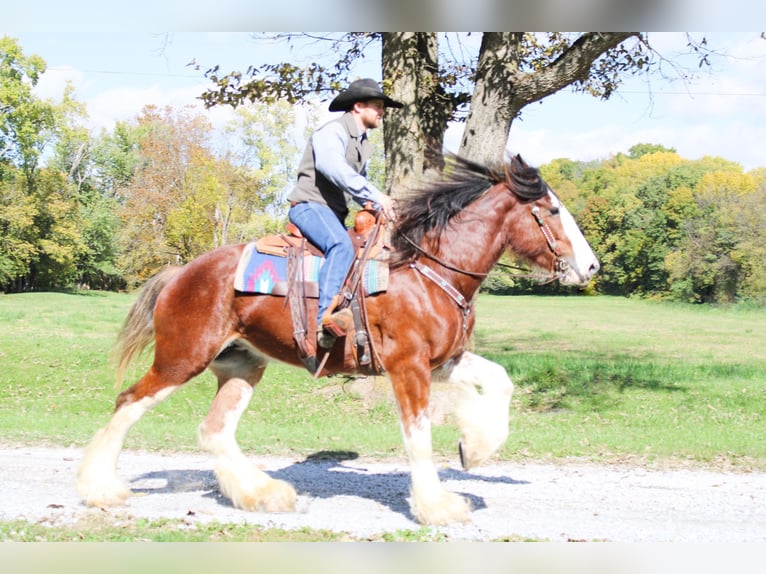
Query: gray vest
x=313, y=186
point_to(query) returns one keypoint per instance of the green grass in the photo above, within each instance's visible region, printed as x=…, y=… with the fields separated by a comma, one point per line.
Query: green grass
x=596, y=377
x=601, y=377
x=109, y=528
x=106, y=528
x=57, y=387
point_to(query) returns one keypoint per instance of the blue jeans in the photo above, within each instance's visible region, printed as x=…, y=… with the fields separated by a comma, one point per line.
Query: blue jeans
x=321, y=226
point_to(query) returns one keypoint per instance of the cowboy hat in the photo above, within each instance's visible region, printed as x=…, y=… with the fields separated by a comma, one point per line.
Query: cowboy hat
x=360, y=91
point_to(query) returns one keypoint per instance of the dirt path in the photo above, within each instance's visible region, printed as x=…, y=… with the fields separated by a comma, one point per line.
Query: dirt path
x=541, y=501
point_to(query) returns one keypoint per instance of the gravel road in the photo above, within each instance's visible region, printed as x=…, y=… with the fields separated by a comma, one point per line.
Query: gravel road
x=556, y=502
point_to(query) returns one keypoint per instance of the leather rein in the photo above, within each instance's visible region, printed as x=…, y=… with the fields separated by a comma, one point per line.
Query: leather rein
x=466, y=307
x=561, y=265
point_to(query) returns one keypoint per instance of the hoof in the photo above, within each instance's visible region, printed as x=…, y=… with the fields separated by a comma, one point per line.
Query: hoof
x=469, y=459
x=473, y=456
x=114, y=494
x=447, y=508
x=273, y=496
x=278, y=496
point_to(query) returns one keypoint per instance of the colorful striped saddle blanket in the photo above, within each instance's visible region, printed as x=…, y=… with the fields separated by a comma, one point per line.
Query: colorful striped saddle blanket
x=266, y=273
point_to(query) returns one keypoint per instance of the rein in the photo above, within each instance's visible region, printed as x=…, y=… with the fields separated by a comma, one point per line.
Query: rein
x=442, y=262
x=561, y=266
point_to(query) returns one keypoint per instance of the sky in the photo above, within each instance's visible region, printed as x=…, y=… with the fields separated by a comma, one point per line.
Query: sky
x=721, y=112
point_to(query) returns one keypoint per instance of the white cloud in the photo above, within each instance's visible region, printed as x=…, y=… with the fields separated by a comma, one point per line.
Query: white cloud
x=52, y=83
x=713, y=121
x=109, y=106
x=122, y=104
x=737, y=140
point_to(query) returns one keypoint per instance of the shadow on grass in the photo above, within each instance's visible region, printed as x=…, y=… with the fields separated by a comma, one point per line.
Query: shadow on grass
x=322, y=475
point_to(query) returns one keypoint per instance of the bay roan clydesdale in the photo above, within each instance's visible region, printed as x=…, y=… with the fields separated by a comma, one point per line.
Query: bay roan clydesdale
x=445, y=241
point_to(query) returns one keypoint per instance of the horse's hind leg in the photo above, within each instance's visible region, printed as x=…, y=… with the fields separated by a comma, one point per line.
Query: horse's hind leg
x=97, y=480
x=482, y=412
x=239, y=369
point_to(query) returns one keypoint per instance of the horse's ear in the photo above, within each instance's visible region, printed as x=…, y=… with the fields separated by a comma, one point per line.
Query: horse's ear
x=524, y=180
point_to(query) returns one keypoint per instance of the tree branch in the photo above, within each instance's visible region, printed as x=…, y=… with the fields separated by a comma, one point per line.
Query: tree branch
x=573, y=65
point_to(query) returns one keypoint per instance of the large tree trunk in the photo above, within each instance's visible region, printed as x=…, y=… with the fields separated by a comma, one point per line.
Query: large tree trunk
x=410, y=66
x=502, y=88
x=492, y=110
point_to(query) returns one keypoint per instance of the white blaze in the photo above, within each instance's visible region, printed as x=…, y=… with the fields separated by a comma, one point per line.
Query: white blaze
x=583, y=261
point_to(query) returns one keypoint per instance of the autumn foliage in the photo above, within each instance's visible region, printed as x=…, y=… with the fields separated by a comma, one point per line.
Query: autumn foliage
x=109, y=211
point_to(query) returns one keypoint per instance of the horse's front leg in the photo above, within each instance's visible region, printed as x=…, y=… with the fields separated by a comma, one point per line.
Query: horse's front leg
x=483, y=408
x=430, y=503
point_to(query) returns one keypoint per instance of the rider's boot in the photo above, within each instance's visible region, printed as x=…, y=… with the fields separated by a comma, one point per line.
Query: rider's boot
x=334, y=324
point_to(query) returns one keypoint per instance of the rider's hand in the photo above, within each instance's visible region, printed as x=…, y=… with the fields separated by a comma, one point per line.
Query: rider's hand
x=387, y=205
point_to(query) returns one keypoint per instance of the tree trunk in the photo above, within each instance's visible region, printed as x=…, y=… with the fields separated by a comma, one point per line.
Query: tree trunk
x=502, y=88
x=492, y=110
x=410, y=66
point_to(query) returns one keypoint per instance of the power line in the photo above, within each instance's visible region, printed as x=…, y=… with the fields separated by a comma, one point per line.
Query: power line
x=639, y=92
x=154, y=74
x=663, y=93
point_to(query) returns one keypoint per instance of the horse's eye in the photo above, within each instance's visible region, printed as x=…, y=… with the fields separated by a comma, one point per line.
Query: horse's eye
x=554, y=210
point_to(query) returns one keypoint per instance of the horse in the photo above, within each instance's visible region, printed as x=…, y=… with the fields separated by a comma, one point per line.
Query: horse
x=445, y=240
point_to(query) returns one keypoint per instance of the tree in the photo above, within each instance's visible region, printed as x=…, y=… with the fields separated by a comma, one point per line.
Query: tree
x=179, y=199
x=411, y=74
x=169, y=144
x=20, y=112
x=488, y=91
x=56, y=231
x=17, y=246
x=667, y=227
x=42, y=206
x=642, y=149
x=721, y=253
x=27, y=123
x=263, y=155
x=516, y=69
x=117, y=158
x=76, y=154
x=750, y=251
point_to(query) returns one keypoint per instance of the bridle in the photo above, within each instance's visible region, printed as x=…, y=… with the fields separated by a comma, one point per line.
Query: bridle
x=560, y=266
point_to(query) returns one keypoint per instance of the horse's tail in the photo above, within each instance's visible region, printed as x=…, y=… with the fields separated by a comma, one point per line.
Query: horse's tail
x=137, y=331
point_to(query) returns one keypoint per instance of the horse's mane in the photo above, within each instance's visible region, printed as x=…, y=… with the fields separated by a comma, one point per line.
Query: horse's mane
x=431, y=208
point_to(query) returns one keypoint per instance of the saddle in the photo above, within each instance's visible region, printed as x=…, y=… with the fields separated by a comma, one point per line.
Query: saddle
x=369, y=245
x=279, y=245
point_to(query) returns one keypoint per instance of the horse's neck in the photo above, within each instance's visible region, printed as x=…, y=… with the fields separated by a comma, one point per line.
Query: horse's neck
x=474, y=241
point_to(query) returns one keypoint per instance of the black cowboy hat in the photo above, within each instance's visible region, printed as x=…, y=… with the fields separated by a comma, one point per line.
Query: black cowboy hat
x=360, y=91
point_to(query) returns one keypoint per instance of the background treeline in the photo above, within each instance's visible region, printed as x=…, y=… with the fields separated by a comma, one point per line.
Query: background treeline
x=666, y=227
x=107, y=211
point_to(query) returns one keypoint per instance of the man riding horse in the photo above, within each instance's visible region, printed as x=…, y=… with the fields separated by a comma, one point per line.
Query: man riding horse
x=331, y=173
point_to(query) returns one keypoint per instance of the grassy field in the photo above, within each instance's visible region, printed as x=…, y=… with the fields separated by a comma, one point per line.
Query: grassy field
x=606, y=378
x=596, y=377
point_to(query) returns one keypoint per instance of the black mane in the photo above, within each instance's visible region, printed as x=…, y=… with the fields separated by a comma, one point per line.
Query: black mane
x=432, y=208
